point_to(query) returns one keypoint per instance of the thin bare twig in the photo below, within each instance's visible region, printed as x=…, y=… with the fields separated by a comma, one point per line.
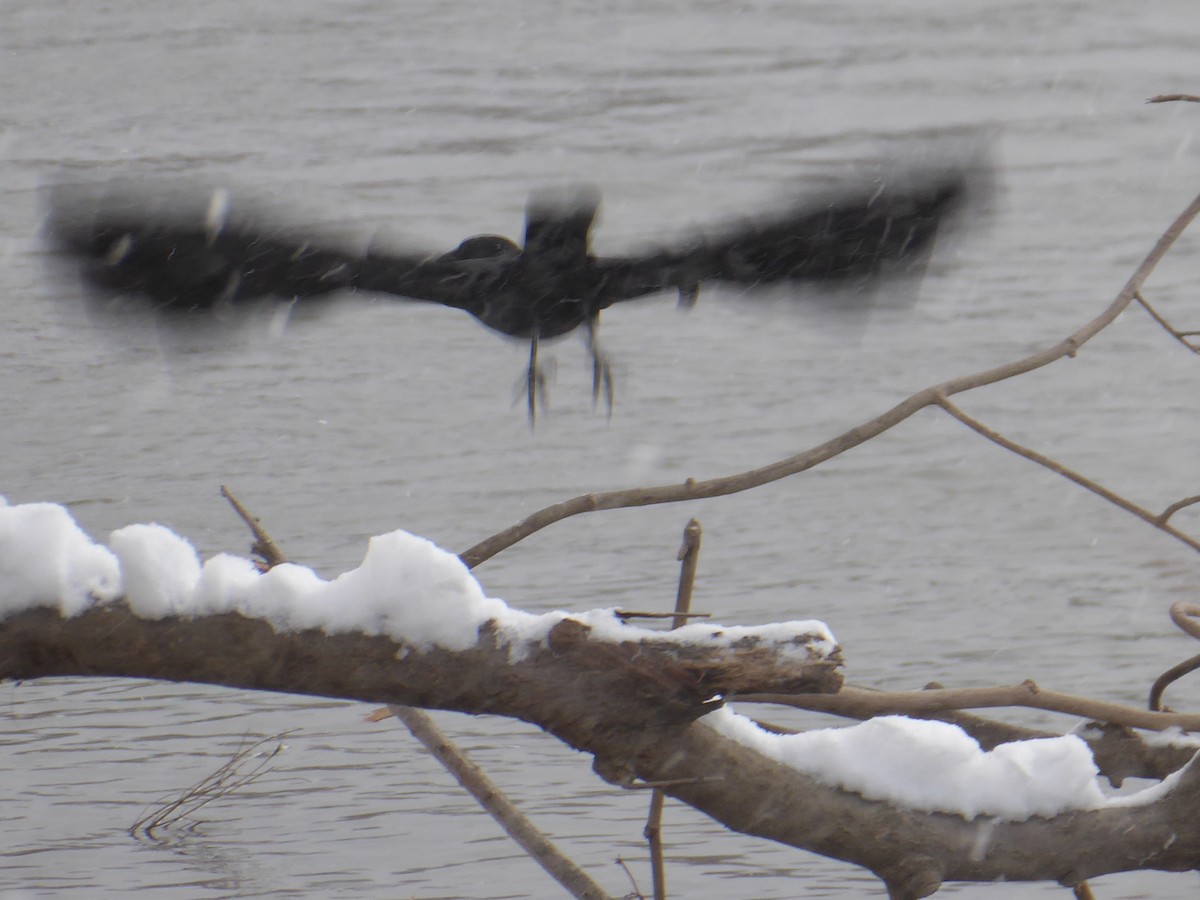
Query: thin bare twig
x=636, y=894
x=859, y=703
x=1158, y=521
x=221, y=783
x=624, y=614
x=227, y=778
x=1168, y=98
x=716, y=487
x=688, y=556
x=263, y=545
x=1181, y=336
x=577, y=882
x=1184, y=615
x=1177, y=506
x=653, y=834
x=1173, y=674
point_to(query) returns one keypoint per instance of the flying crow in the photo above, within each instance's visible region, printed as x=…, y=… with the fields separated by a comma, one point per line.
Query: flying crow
x=188, y=257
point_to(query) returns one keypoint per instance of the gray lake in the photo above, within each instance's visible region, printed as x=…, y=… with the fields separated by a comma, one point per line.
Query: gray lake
x=932, y=554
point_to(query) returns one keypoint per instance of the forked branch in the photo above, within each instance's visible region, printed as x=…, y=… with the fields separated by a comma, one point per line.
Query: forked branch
x=1158, y=520
x=1184, y=337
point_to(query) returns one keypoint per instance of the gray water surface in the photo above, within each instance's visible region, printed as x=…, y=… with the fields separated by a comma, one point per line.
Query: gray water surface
x=931, y=554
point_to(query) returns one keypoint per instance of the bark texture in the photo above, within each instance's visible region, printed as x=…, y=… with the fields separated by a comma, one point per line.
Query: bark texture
x=634, y=706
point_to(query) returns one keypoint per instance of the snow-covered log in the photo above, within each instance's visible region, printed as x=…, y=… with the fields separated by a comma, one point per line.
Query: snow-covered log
x=917, y=802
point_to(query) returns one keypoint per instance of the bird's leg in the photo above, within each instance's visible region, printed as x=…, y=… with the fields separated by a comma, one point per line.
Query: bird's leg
x=535, y=380
x=532, y=377
x=688, y=295
x=601, y=370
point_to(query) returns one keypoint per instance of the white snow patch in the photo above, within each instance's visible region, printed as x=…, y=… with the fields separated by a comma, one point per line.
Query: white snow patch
x=159, y=570
x=406, y=588
x=1172, y=737
x=799, y=639
x=47, y=560
x=938, y=767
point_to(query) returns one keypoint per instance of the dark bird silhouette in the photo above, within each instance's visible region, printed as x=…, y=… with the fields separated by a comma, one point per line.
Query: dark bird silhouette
x=188, y=257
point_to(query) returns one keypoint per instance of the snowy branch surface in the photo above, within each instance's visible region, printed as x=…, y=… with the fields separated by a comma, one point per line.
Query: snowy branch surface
x=918, y=802
x=388, y=631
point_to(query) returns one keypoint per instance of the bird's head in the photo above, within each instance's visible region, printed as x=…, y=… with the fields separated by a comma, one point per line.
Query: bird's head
x=483, y=246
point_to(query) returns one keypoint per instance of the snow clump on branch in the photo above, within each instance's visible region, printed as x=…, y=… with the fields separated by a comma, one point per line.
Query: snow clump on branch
x=406, y=588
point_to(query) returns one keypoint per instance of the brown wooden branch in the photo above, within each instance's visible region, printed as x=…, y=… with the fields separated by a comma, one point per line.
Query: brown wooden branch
x=688, y=556
x=652, y=832
x=692, y=489
x=859, y=703
x=263, y=546
x=916, y=852
x=1118, y=752
x=1155, y=519
x=1181, y=336
x=634, y=707
x=570, y=675
x=626, y=614
x=1168, y=98
x=1177, y=506
x=1173, y=674
x=1184, y=615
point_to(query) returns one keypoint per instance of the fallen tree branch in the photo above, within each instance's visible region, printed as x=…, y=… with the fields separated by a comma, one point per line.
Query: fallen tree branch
x=633, y=706
x=566, y=685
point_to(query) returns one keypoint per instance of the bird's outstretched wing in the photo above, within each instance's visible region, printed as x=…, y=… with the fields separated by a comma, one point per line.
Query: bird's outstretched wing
x=558, y=222
x=848, y=237
x=182, y=253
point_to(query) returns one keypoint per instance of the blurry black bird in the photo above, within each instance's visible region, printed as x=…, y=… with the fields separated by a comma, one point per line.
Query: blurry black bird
x=184, y=256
